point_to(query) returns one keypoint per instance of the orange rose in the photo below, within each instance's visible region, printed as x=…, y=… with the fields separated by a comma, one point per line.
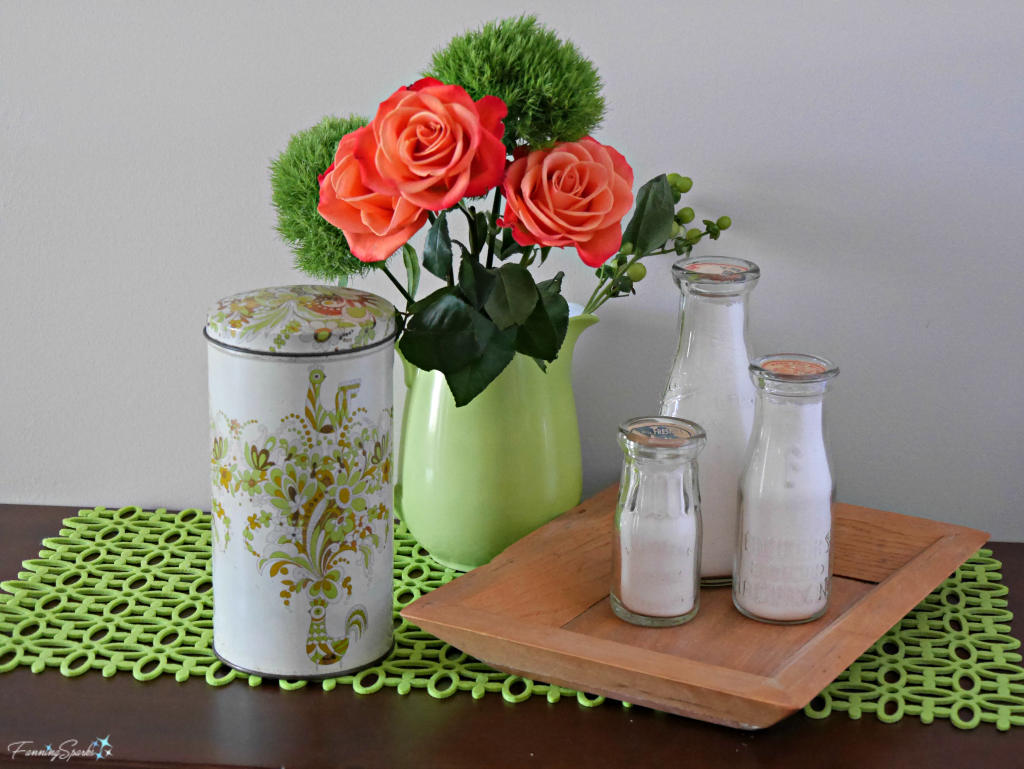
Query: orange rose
x=574, y=194
x=433, y=145
x=375, y=225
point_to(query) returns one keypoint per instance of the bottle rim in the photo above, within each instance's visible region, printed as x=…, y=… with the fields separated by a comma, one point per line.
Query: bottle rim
x=662, y=432
x=794, y=368
x=715, y=270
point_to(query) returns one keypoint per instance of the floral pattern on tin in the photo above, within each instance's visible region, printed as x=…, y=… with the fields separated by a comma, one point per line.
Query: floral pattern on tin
x=316, y=480
x=301, y=319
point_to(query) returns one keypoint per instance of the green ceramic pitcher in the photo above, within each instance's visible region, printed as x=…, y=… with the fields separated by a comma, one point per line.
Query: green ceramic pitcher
x=473, y=480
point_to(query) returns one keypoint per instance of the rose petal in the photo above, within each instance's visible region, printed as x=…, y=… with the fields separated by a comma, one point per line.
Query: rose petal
x=374, y=248
x=425, y=82
x=488, y=166
x=601, y=245
x=575, y=193
x=432, y=144
x=492, y=111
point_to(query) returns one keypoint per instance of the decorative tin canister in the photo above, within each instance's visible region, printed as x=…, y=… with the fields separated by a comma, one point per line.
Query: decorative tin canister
x=301, y=462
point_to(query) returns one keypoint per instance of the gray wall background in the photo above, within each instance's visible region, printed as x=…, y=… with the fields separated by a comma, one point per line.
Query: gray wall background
x=869, y=153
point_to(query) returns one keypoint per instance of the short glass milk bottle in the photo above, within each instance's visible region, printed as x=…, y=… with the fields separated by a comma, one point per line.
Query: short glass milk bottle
x=656, y=549
x=709, y=383
x=783, y=568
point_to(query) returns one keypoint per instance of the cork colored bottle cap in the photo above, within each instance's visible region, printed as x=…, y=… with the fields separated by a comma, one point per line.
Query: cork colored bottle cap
x=661, y=431
x=795, y=368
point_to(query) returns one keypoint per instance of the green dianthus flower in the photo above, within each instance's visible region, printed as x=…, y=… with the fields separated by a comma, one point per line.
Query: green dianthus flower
x=552, y=91
x=320, y=248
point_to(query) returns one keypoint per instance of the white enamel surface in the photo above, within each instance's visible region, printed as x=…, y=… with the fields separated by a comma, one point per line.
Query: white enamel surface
x=253, y=630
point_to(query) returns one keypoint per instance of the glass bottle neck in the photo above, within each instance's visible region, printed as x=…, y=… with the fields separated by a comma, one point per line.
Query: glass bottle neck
x=652, y=459
x=714, y=327
x=789, y=418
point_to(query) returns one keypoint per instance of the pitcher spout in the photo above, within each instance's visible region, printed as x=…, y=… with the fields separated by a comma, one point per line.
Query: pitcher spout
x=577, y=324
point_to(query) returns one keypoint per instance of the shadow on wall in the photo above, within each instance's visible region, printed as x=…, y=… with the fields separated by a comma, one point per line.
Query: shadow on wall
x=614, y=380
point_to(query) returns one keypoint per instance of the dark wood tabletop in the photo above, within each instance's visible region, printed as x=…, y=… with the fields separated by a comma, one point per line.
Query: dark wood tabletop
x=162, y=723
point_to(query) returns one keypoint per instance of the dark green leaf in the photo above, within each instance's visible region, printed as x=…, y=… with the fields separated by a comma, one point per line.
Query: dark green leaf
x=509, y=247
x=481, y=228
x=545, y=250
x=484, y=329
x=542, y=334
x=444, y=337
x=651, y=224
x=412, y=268
x=471, y=380
x=437, y=251
x=514, y=296
x=476, y=282
x=551, y=287
x=429, y=299
x=541, y=364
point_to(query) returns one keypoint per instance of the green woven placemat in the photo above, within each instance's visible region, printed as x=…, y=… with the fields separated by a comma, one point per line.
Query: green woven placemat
x=131, y=590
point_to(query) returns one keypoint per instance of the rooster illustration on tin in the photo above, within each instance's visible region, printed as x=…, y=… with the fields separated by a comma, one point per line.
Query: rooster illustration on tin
x=320, y=646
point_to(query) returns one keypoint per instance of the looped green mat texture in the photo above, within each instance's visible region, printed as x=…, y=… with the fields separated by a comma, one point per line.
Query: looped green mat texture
x=129, y=590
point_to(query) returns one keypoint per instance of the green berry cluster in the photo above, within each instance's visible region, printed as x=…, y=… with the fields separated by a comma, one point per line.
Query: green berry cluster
x=684, y=238
x=659, y=229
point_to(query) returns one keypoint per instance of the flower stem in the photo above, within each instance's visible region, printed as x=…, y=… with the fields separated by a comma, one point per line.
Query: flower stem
x=471, y=221
x=399, y=286
x=495, y=210
x=588, y=308
x=603, y=292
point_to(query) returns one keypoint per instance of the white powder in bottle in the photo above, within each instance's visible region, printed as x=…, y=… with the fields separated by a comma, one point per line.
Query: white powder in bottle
x=655, y=555
x=783, y=569
x=656, y=548
x=711, y=385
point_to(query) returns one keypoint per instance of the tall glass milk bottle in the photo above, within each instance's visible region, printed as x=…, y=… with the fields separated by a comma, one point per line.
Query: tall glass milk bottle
x=783, y=570
x=710, y=384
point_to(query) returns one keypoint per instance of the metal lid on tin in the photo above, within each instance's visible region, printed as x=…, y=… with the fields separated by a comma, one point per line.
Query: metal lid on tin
x=661, y=432
x=301, y=320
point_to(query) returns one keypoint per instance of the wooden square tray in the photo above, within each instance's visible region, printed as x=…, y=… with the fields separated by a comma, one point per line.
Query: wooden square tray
x=541, y=610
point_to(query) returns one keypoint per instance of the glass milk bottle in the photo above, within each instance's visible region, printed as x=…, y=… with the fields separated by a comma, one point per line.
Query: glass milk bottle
x=709, y=384
x=784, y=561
x=656, y=549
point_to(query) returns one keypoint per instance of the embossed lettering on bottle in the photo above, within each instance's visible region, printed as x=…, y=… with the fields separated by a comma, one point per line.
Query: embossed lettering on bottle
x=786, y=572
